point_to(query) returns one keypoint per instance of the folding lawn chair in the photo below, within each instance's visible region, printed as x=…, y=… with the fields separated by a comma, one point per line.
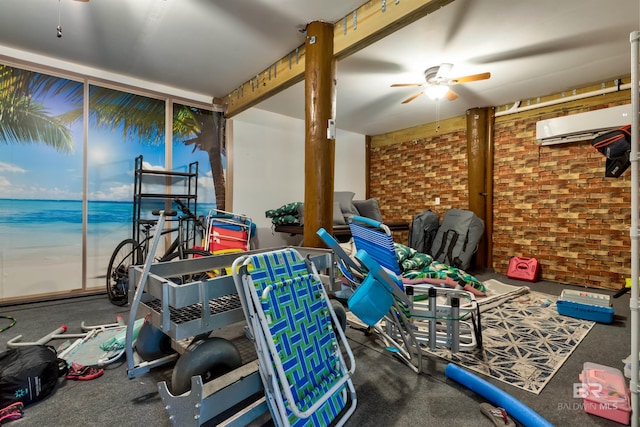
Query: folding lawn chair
x=450, y=323
x=378, y=296
x=227, y=231
x=446, y=319
x=291, y=322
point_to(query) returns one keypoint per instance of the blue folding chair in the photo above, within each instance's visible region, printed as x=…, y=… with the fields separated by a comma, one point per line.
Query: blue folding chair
x=437, y=315
x=379, y=301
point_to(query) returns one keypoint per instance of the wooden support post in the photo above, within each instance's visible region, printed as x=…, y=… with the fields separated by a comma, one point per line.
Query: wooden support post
x=320, y=112
x=480, y=123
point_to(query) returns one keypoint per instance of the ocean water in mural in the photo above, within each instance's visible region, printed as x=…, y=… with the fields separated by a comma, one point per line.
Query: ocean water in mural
x=51, y=223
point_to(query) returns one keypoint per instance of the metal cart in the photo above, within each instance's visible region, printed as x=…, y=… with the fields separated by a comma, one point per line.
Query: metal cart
x=202, y=311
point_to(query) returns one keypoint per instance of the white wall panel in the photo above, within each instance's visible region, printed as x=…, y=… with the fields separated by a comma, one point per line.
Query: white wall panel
x=268, y=168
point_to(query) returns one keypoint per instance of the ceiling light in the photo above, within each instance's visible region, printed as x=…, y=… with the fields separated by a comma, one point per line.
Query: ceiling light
x=437, y=91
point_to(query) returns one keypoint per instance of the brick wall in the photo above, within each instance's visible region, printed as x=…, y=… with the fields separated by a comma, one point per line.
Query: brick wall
x=551, y=202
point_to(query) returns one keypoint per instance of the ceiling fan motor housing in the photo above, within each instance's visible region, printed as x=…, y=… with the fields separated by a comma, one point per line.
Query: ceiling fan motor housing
x=431, y=75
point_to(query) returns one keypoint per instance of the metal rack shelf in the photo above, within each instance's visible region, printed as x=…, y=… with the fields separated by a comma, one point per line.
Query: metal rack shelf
x=174, y=184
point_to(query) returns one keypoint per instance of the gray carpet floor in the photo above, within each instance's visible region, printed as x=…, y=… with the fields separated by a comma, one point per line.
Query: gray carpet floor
x=388, y=393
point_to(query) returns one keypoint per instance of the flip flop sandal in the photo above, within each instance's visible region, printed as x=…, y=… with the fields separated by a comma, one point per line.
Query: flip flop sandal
x=498, y=416
x=83, y=373
x=12, y=412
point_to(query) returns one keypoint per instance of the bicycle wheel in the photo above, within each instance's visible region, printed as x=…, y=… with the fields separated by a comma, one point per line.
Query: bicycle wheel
x=126, y=254
x=188, y=254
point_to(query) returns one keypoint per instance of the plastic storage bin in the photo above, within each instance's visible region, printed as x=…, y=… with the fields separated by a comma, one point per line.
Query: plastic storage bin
x=605, y=392
x=585, y=305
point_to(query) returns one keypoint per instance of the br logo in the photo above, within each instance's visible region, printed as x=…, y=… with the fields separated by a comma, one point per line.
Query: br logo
x=581, y=391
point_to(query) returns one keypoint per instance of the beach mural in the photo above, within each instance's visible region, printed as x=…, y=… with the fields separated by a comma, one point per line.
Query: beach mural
x=121, y=127
x=56, y=219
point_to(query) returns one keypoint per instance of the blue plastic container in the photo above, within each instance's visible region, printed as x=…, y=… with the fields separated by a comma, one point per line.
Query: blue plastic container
x=594, y=313
x=370, y=301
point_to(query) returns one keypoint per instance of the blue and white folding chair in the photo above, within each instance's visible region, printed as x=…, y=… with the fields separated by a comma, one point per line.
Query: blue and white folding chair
x=291, y=322
x=450, y=323
x=437, y=317
x=380, y=302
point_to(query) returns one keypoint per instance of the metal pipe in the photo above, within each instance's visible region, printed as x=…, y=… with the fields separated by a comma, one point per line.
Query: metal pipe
x=409, y=291
x=635, y=262
x=137, y=297
x=517, y=108
x=433, y=322
x=454, y=339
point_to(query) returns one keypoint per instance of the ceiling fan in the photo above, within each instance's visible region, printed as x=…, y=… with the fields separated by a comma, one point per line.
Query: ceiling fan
x=437, y=83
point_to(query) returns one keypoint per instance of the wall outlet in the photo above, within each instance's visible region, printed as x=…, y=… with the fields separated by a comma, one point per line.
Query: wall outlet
x=437, y=200
x=331, y=129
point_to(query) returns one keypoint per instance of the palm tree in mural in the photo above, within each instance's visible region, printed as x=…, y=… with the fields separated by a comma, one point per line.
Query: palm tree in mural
x=143, y=118
x=204, y=130
x=24, y=120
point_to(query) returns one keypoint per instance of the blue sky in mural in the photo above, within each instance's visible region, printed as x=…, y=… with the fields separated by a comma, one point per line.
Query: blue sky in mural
x=37, y=171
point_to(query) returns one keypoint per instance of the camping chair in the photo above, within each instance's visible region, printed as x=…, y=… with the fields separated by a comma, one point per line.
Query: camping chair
x=449, y=323
x=378, y=296
x=444, y=317
x=291, y=322
x=227, y=231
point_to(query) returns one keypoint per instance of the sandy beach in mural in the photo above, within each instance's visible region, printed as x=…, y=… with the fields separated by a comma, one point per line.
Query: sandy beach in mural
x=41, y=245
x=51, y=269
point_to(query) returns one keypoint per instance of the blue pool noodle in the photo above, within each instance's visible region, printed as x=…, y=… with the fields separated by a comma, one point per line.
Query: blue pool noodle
x=518, y=410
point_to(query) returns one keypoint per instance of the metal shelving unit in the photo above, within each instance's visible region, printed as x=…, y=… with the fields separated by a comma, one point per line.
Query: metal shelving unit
x=162, y=186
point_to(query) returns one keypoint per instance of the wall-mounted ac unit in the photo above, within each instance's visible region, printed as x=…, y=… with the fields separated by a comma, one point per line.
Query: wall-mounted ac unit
x=582, y=126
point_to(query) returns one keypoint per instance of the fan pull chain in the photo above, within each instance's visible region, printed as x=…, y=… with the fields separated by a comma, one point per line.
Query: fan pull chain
x=59, y=28
x=437, y=115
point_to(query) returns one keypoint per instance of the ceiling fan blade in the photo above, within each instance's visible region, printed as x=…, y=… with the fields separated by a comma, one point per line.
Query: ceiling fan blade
x=471, y=78
x=411, y=98
x=406, y=84
x=451, y=95
x=590, y=37
x=443, y=71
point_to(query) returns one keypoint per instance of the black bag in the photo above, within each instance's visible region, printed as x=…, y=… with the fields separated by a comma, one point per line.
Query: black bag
x=457, y=238
x=615, y=145
x=29, y=374
x=423, y=230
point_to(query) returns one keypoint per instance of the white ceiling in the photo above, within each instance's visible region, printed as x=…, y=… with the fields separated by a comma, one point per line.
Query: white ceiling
x=210, y=47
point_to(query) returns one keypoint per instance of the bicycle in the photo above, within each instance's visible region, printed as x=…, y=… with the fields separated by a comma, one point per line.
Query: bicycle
x=130, y=252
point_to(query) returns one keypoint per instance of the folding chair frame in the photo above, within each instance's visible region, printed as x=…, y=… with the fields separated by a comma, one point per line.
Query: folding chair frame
x=447, y=325
x=277, y=385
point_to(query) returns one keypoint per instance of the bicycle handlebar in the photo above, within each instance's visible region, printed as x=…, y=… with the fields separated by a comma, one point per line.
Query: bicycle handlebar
x=156, y=212
x=185, y=210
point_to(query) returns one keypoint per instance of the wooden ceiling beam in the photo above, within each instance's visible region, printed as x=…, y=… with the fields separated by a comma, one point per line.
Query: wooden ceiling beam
x=369, y=23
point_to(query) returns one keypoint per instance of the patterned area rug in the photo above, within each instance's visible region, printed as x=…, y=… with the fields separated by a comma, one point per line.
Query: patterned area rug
x=525, y=342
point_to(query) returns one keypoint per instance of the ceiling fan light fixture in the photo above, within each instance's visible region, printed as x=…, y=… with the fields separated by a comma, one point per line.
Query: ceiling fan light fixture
x=437, y=91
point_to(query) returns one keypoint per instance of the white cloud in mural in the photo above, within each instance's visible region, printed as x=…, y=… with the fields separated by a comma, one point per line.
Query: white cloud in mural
x=204, y=181
x=116, y=193
x=148, y=166
x=206, y=193
x=9, y=190
x=8, y=167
